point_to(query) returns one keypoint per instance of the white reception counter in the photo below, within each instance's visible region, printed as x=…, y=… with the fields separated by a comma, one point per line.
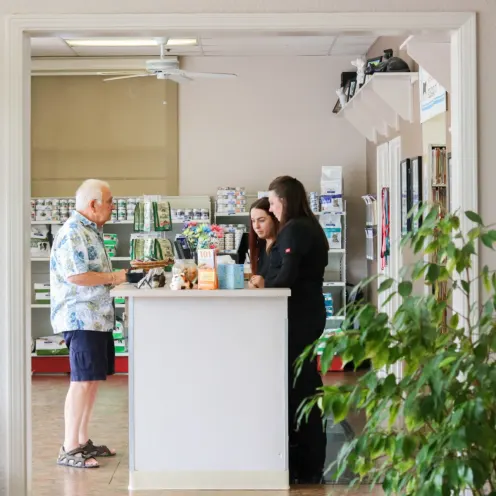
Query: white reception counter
x=207, y=389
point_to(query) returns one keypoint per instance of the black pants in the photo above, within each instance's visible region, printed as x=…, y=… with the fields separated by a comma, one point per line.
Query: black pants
x=307, y=444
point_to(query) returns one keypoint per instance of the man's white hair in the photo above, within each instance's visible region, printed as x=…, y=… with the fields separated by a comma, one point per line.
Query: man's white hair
x=90, y=190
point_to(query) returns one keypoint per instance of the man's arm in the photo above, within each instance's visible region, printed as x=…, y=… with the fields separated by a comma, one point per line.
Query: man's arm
x=99, y=278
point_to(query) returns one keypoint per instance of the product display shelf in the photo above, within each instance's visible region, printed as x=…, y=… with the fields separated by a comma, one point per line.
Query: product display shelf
x=439, y=179
x=335, y=283
x=241, y=217
x=40, y=322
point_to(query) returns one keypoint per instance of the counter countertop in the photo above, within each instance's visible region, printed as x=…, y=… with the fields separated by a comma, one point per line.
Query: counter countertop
x=129, y=290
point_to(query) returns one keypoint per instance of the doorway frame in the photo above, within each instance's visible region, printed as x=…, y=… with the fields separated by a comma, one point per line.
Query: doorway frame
x=15, y=415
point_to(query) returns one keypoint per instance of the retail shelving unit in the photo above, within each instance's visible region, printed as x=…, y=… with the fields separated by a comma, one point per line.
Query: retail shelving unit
x=438, y=175
x=40, y=318
x=335, y=283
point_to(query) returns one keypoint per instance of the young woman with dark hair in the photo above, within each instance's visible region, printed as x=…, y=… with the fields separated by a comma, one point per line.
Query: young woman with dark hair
x=263, y=233
x=297, y=261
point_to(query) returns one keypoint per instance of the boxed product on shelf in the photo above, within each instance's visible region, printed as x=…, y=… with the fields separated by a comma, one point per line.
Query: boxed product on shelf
x=40, y=245
x=331, y=203
x=52, y=209
x=118, y=332
x=111, y=251
x=110, y=242
x=51, y=345
x=333, y=229
x=186, y=214
x=329, y=305
x=120, y=345
x=314, y=201
x=231, y=200
x=331, y=189
x=42, y=292
x=331, y=180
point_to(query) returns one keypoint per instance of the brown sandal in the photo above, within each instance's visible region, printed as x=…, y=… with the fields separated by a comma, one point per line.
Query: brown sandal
x=92, y=450
x=76, y=458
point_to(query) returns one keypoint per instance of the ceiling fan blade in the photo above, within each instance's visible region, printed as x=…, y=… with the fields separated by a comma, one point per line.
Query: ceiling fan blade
x=209, y=75
x=118, y=73
x=179, y=78
x=128, y=76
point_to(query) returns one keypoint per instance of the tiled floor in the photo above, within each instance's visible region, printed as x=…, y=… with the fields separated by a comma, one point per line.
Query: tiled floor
x=109, y=426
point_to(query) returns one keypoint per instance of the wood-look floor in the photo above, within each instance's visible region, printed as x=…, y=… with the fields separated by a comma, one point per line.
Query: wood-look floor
x=109, y=426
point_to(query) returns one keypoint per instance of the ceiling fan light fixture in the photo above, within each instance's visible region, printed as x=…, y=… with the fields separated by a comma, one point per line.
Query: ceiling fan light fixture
x=111, y=42
x=182, y=42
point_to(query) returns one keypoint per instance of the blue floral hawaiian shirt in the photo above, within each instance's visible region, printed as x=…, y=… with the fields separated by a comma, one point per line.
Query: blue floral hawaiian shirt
x=78, y=248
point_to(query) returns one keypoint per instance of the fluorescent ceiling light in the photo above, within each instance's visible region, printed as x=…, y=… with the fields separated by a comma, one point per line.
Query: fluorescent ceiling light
x=181, y=41
x=111, y=42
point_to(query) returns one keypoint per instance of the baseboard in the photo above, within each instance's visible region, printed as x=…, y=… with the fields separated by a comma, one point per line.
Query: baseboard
x=216, y=480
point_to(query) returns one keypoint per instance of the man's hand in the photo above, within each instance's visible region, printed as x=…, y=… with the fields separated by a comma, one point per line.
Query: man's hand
x=257, y=282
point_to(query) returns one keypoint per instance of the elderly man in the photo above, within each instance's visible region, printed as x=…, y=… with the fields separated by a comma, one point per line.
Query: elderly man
x=83, y=310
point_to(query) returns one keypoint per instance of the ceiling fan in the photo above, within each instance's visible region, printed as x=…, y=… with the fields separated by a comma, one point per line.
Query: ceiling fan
x=166, y=68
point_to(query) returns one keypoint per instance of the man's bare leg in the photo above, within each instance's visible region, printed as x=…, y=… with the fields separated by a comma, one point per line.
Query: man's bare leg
x=76, y=403
x=83, y=435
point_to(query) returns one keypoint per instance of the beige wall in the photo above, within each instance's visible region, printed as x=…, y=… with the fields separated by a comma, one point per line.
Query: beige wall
x=274, y=119
x=119, y=131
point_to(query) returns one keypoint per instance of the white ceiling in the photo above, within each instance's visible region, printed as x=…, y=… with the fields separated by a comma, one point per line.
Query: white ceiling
x=223, y=46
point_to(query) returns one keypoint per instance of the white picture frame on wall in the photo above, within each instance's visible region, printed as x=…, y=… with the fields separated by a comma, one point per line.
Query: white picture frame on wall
x=433, y=96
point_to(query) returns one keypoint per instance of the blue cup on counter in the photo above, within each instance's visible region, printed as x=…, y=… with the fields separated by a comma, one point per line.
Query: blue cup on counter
x=231, y=276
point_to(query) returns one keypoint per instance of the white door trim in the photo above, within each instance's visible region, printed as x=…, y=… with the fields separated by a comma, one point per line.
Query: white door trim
x=15, y=166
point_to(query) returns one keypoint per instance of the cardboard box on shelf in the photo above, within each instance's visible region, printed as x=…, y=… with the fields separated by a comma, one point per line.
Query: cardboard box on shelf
x=118, y=331
x=120, y=345
x=42, y=292
x=51, y=345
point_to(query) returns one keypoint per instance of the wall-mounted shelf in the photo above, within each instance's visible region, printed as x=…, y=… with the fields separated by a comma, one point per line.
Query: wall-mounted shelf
x=433, y=53
x=378, y=105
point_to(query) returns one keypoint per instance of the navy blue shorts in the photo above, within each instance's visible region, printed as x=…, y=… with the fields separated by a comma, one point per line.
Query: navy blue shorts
x=91, y=355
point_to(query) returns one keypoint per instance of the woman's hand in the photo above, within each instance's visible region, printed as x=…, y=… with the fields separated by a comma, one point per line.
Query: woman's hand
x=257, y=282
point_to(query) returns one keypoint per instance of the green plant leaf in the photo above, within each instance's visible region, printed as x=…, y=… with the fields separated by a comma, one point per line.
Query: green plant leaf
x=487, y=241
x=405, y=288
x=474, y=217
x=492, y=234
x=447, y=361
x=465, y=286
x=433, y=273
x=339, y=409
x=454, y=321
x=385, y=285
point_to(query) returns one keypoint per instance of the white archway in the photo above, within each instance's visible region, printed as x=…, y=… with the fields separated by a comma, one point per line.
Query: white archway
x=15, y=416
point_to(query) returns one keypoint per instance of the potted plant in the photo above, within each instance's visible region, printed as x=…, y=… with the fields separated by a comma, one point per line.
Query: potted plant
x=432, y=431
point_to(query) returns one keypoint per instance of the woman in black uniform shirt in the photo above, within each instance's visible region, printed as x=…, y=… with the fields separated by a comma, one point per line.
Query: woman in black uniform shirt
x=263, y=232
x=297, y=261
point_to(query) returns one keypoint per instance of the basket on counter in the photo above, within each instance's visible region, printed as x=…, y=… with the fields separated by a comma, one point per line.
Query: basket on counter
x=152, y=264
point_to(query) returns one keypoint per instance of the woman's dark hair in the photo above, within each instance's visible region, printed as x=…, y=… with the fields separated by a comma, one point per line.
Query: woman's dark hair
x=257, y=244
x=294, y=201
